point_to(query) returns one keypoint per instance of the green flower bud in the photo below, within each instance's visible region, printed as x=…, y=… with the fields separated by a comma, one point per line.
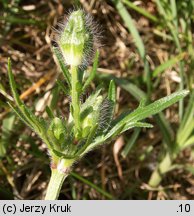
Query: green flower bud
x=92, y=118
x=57, y=127
x=76, y=39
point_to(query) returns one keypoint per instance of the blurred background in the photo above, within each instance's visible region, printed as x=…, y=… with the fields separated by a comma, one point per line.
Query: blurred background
x=147, y=48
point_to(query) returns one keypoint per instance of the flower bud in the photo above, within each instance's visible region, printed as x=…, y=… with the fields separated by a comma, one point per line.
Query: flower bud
x=92, y=118
x=76, y=39
x=57, y=127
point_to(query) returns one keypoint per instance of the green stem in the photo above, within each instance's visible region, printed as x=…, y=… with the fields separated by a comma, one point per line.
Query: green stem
x=55, y=184
x=75, y=97
x=164, y=166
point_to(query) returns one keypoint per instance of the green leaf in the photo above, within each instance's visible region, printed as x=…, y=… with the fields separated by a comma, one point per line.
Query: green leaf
x=169, y=63
x=113, y=132
x=7, y=126
x=106, y=115
x=58, y=128
x=133, y=89
x=86, y=112
x=167, y=132
x=140, y=10
x=189, y=142
x=120, y=128
x=32, y=119
x=61, y=85
x=98, y=189
x=137, y=93
x=90, y=100
x=138, y=41
x=86, y=131
x=185, y=134
x=91, y=135
x=131, y=120
x=20, y=115
x=188, y=112
x=92, y=73
x=131, y=142
x=131, y=26
x=187, y=124
x=174, y=12
x=8, y=123
x=55, y=92
x=49, y=112
x=155, y=107
x=142, y=103
x=22, y=21
x=64, y=69
x=29, y=117
x=135, y=124
x=112, y=91
x=13, y=85
x=62, y=155
x=112, y=103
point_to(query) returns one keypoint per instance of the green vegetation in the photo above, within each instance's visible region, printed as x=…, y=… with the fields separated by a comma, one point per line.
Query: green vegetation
x=148, y=54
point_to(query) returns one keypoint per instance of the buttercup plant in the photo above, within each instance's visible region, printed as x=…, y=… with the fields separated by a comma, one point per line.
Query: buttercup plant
x=88, y=125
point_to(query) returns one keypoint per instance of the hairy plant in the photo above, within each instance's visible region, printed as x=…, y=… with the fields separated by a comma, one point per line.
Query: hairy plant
x=88, y=125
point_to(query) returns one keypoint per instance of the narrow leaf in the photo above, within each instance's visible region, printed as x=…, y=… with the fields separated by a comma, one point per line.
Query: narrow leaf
x=131, y=142
x=61, y=85
x=167, y=132
x=90, y=100
x=64, y=69
x=98, y=189
x=86, y=112
x=185, y=133
x=13, y=84
x=92, y=73
x=115, y=131
x=88, y=142
x=125, y=84
x=112, y=91
x=189, y=142
x=20, y=115
x=188, y=112
x=155, y=107
x=169, y=63
x=131, y=26
x=49, y=112
x=62, y=155
x=135, y=124
x=30, y=118
x=141, y=11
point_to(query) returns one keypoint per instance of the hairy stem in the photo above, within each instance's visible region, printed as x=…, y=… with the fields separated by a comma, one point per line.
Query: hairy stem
x=75, y=97
x=58, y=176
x=55, y=184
